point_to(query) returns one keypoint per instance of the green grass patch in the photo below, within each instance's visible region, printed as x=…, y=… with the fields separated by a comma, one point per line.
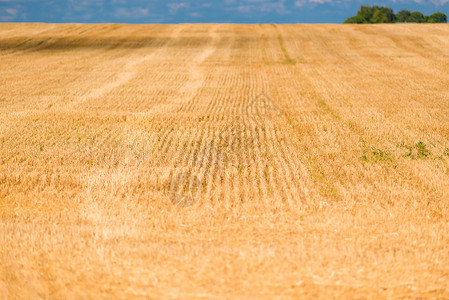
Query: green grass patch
x=418, y=151
x=375, y=154
x=288, y=59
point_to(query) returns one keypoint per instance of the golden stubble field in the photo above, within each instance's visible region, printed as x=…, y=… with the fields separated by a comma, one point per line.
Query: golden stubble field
x=224, y=161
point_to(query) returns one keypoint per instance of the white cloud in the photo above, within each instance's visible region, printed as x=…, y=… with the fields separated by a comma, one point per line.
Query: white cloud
x=300, y=3
x=262, y=6
x=174, y=7
x=142, y=11
x=132, y=13
x=320, y=1
x=439, y=2
x=8, y=14
x=11, y=11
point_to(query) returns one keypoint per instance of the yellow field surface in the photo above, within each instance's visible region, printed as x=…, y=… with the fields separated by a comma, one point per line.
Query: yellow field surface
x=224, y=161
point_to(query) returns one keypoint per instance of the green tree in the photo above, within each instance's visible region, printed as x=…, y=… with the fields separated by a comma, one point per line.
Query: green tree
x=355, y=20
x=415, y=17
x=376, y=14
x=382, y=14
x=437, y=17
x=402, y=15
x=379, y=17
x=389, y=14
x=366, y=12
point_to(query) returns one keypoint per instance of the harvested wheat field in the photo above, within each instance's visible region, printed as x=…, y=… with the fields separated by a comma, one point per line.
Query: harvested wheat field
x=224, y=161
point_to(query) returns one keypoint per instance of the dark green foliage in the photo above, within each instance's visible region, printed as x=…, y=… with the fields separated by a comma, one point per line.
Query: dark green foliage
x=355, y=20
x=416, y=17
x=376, y=14
x=388, y=13
x=366, y=12
x=402, y=16
x=381, y=14
x=437, y=17
x=405, y=16
x=379, y=17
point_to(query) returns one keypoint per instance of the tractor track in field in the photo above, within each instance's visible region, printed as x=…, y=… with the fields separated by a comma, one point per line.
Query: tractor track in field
x=128, y=72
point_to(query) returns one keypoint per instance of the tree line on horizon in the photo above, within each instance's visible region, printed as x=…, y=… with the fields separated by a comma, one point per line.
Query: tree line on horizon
x=381, y=14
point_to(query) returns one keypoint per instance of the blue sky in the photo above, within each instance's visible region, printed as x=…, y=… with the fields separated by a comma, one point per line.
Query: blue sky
x=199, y=11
